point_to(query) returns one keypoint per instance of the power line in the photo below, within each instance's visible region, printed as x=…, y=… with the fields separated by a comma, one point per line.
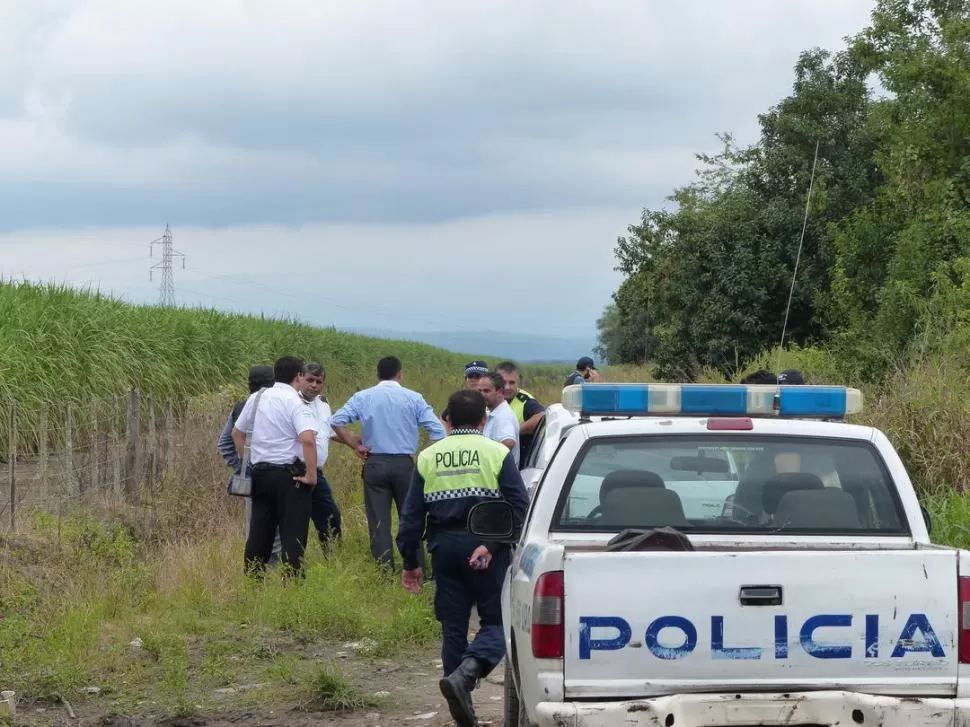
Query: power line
x=166, y=293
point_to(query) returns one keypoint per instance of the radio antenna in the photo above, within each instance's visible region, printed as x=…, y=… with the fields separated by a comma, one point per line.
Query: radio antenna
x=798, y=255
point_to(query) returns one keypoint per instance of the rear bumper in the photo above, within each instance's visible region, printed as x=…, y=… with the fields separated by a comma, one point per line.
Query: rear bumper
x=846, y=709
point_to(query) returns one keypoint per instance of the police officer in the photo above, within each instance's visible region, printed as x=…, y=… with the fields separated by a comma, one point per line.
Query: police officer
x=451, y=476
x=474, y=371
x=526, y=407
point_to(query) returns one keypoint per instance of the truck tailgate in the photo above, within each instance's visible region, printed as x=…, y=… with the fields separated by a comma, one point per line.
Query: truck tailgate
x=648, y=623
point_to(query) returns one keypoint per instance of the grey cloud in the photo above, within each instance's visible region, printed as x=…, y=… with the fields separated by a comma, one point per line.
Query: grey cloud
x=400, y=200
x=295, y=112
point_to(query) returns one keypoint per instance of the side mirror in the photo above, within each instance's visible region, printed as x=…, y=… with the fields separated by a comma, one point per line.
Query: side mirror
x=493, y=520
x=927, y=519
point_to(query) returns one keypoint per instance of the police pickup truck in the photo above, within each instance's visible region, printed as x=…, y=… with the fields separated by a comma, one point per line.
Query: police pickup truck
x=728, y=556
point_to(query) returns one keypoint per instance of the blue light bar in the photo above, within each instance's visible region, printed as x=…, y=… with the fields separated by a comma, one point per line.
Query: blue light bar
x=710, y=399
x=827, y=402
x=812, y=401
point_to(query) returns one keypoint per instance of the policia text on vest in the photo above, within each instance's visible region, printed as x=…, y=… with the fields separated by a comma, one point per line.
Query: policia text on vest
x=458, y=458
x=451, y=476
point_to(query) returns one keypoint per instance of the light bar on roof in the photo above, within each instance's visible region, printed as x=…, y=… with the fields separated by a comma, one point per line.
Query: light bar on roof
x=826, y=402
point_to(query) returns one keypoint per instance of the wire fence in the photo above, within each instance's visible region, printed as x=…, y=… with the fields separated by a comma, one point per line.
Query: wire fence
x=116, y=449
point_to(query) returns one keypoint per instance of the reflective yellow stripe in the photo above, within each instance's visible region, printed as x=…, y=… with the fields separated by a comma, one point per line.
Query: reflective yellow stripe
x=461, y=465
x=518, y=405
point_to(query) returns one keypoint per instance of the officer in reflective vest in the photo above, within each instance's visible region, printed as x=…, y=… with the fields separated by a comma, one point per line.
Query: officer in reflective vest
x=451, y=476
x=527, y=408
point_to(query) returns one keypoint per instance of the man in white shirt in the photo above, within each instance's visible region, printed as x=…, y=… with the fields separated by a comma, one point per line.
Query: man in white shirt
x=324, y=512
x=283, y=451
x=502, y=424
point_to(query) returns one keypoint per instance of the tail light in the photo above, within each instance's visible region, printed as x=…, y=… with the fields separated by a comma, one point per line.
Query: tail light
x=548, y=627
x=963, y=588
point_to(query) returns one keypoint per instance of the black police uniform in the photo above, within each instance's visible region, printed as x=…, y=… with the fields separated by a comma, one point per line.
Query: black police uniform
x=450, y=477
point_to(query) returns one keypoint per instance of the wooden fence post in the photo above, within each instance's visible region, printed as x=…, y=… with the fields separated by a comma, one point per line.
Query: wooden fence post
x=42, y=440
x=152, y=452
x=133, y=472
x=69, y=449
x=139, y=444
x=95, y=448
x=12, y=463
x=116, y=446
x=170, y=434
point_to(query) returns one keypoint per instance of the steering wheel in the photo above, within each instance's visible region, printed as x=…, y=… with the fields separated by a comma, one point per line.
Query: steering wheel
x=734, y=508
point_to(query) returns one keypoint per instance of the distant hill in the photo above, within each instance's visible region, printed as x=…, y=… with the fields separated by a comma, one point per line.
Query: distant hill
x=521, y=347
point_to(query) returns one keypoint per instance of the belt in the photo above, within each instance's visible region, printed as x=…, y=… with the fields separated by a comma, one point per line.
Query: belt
x=270, y=466
x=382, y=454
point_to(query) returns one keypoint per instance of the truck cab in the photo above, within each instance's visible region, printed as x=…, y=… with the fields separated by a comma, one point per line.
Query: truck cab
x=728, y=555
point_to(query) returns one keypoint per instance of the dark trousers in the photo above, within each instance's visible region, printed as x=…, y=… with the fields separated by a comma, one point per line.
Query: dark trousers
x=387, y=478
x=277, y=503
x=458, y=587
x=324, y=510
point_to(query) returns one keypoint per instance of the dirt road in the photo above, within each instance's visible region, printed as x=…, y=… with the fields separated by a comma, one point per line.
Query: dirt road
x=406, y=690
x=413, y=697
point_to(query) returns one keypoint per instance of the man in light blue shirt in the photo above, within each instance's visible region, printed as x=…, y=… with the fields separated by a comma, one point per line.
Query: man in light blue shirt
x=389, y=416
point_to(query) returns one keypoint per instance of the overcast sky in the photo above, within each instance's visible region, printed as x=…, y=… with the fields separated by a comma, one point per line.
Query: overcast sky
x=364, y=163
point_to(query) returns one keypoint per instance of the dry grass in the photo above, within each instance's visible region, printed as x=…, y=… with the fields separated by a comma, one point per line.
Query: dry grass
x=925, y=412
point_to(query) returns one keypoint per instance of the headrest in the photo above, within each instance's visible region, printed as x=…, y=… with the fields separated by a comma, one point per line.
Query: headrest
x=618, y=479
x=643, y=507
x=778, y=485
x=828, y=508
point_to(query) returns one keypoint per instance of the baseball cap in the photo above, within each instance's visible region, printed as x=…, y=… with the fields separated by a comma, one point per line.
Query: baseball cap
x=791, y=377
x=585, y=363
x=476, y=368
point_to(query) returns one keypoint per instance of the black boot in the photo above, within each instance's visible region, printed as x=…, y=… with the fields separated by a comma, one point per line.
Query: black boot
x=457, y=688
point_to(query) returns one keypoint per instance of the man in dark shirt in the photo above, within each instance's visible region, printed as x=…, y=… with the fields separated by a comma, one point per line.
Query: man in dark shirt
x=585, y=372
x=527, y=408
x=259, y=377
x=452, y=475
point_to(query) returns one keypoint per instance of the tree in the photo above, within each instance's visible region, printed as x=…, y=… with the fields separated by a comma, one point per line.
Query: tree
x=715, y=273
x=889, y=250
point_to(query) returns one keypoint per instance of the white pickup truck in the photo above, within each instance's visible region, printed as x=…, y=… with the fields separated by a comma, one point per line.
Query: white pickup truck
x=787, y=577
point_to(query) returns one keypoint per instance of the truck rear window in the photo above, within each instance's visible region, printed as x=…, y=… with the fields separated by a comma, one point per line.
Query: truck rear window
x=729, y=484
